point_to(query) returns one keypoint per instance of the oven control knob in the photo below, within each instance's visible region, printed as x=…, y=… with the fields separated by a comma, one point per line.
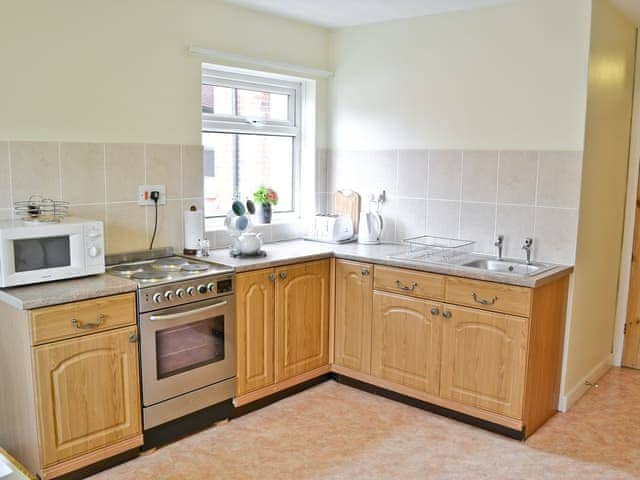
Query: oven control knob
x=191, y=291
x=202, y=289
x=157, y=298
x=211, y=286
x=180, y=292
x=168, y=294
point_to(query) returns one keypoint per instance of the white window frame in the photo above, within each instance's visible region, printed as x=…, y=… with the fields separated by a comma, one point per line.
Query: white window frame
x=218, y=123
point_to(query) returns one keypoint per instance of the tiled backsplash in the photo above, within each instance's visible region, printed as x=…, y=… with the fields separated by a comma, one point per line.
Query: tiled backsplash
x=467, y=194
x=101, y=182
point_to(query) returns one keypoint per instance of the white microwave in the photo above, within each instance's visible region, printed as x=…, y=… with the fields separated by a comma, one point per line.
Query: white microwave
x=42, y=252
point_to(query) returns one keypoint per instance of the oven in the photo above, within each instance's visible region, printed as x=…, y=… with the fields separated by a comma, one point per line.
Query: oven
x=188, y=358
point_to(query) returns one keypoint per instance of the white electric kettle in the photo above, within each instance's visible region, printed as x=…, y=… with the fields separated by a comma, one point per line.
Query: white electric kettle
x=369, y=228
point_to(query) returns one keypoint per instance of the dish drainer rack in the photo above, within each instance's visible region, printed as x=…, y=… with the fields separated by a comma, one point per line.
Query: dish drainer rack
x=41, y=210
x=428, y=248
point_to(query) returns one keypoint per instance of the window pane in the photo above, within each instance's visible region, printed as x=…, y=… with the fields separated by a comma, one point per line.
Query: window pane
x=263, y=105
x=261, y=160
x=219, y=152
x=266, y=160
x=218, y=100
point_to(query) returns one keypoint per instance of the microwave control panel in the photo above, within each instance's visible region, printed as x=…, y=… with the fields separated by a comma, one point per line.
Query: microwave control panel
x=94, y=247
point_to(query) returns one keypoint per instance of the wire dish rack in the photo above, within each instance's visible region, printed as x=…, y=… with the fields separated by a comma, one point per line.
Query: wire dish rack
x=427, y=248
x=41, y=210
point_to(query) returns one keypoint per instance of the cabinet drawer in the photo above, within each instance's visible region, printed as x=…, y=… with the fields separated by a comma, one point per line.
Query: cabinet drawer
x=82, y=318
x=409, y=282
x=489, y=296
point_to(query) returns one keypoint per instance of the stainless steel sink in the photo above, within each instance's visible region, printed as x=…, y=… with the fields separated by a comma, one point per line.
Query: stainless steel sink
x=508, y=266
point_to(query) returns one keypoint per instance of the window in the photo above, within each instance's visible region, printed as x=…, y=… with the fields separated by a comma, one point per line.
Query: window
x=251, y=137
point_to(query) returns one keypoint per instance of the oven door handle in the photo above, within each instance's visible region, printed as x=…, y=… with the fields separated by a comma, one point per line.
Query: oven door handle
x=177, y=316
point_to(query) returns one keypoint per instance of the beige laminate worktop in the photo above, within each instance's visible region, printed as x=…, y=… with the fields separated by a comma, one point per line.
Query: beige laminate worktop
x=65, y=291
x=278, y=253
x=294, y=251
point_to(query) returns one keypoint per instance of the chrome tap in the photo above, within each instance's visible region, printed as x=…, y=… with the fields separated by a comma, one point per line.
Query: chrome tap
x=499, y=244
x=527, y=246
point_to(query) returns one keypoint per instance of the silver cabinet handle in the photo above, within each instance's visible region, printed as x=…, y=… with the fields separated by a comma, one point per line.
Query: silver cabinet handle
x=133, y=338
x=483, y=301
x=435, y=311
x=283, y=275
x=272, y=277
x=410, y=288
x=364, y=272
x=447, y=314
x=177, y=316
x=88, y=326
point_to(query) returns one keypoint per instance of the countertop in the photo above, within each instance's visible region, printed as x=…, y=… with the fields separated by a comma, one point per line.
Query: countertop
x=278, y=254
x=295, y=251
x=64, y=291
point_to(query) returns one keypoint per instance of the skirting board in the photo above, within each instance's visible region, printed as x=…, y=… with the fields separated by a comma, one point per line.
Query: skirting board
x=596, y=373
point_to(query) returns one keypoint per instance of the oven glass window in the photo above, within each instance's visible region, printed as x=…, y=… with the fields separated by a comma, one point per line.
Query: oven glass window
x=38, y=253
x=184, y=348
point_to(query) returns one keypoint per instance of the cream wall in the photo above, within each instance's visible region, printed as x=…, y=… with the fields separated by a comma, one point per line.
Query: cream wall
x=602, y=205
x=505, y=77
x=118, y=71
x=472, y=122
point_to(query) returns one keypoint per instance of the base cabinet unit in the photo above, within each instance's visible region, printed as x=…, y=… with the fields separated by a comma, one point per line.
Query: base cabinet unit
x=283, y=327
x=487, y=350
x=88, y=393
x=74, y=387
x=353, y=315
x=484, y=359
x=255, y=329
x=302, y=318
x=406, y=341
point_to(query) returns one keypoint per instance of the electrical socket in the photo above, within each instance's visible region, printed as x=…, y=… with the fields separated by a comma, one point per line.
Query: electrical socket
x=144, y=194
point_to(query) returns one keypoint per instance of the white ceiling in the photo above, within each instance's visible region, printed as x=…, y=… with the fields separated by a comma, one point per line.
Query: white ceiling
x=631, y=8
x=344, y=13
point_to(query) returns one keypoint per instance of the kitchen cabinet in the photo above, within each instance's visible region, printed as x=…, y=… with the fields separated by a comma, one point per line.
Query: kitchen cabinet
x=406, y=341
x=353, y=315
x=302, y=318
x=71, y=387
x=484, y=359
x=88, y=393
x=483, y=349
x=282, y=317
x=255, y=329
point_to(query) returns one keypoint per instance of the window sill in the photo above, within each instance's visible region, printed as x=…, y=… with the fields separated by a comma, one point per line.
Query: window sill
x=283, y=227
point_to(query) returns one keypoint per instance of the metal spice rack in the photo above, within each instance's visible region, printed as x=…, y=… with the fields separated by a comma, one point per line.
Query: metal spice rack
x=41, y=210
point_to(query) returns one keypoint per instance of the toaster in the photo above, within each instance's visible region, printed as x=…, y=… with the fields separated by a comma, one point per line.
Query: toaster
x=332, y=228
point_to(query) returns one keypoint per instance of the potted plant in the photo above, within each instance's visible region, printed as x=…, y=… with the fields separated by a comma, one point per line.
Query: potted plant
x=265, y=198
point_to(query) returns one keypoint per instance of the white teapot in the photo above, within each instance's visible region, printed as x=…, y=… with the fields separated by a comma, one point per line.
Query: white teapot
x=249, y=243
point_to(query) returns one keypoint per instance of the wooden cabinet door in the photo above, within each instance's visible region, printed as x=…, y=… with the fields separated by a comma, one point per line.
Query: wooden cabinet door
x=406, y=341
x=353, y=297
x=483, y=359
x=255, y=321
x=302, y=318
x=88, y=393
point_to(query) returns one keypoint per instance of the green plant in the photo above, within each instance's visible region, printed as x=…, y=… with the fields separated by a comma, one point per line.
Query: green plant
x=266, y=195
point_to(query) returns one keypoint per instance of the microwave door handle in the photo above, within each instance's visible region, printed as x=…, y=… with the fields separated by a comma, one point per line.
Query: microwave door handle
x=178, y=316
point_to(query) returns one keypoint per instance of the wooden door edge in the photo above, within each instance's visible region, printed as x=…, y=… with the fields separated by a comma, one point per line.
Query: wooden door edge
x=90, y=458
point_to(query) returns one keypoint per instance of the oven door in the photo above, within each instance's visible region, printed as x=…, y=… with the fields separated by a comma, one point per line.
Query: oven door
x=186, y=348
